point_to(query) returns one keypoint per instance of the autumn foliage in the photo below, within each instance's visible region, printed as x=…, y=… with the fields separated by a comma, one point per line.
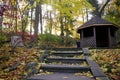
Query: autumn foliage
x=26, y=36
x=12, y=65
x=109, y=61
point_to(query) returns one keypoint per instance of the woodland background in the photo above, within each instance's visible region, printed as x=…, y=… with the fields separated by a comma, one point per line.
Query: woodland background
x=51, y=23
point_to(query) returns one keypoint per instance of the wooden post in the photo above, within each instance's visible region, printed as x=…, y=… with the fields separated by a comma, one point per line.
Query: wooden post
x=109, y=37
x=81, y=45
x=94, y=29
x=82, y=34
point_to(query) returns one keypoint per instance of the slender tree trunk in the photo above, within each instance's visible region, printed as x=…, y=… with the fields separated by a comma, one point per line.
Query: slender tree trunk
x=24, y=24
x=41, y=28
x=26, y=21
x=102, y=8
x=31, y=25
x=87, y=14
x=61, y=23
x=16, y=16
x=83, y=16
x=36, y=23
x=1, y=20
x=51, y=23
x=61, y=26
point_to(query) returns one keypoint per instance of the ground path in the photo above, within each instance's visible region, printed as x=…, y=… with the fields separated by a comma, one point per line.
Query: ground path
x=69, y=64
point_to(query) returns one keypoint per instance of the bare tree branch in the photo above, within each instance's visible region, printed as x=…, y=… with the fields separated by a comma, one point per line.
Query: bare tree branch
x=102, y=8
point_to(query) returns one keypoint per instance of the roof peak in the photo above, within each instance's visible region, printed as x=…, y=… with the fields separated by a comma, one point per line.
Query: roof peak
x=96, y=21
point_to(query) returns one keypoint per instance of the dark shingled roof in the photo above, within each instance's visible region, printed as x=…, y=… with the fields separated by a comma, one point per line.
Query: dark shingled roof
x=96, y=21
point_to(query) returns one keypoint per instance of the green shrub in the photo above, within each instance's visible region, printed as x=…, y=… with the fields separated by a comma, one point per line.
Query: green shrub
x=48, y=40
x=69, y=41
x=2, y=38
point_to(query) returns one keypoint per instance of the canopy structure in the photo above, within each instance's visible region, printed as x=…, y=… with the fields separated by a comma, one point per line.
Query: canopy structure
x=97, y=32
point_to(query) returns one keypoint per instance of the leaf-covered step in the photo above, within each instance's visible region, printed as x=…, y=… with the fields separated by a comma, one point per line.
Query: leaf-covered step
x=66, y=60
x=71, y=52
x=80, y=56
x=67, y=49
x=60, y=76
x=97, y=72
x=66, y=53
x=95, y=69
x=65, y=68
x=102, y=78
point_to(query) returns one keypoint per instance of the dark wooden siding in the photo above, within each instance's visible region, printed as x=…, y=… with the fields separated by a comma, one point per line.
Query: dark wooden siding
x=88, y=42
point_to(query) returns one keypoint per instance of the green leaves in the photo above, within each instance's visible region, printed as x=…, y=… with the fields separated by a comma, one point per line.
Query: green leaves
x=113, y=12
x=2, y=37
x=49, y=38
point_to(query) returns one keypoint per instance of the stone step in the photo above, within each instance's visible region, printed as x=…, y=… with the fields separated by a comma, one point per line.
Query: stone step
x=66, y=53
x=71, y=52
x=65, y=68
x=59, y=76
x=95, y=69
x=86, y=51
x=67, y=49
x=65, y=60
x=102, y=78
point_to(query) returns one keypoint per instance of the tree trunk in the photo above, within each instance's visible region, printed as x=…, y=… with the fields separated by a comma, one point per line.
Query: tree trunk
x=87, y=14
x=51, y=23
x=83, y=16
x=36, y=23
x=31, y=24
x=16, y=26
x=61, y=26
x=41, y=28
x=102, y=8
x=1, y=20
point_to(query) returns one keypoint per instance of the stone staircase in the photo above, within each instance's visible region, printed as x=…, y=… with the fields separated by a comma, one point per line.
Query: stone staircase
x=65, y=62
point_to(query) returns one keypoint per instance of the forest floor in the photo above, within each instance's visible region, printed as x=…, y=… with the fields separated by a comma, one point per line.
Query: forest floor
x=15, y=66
